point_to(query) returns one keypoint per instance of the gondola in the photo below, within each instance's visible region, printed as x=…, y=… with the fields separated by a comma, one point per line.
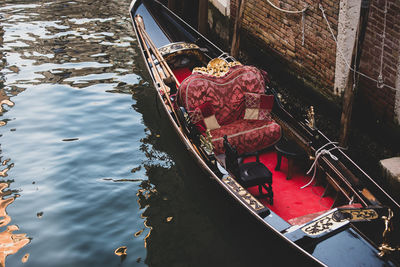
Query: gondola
x=285, y=173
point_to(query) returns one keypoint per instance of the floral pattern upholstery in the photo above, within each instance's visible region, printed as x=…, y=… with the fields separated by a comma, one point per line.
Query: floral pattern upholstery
x=226, y=94
x=246, y=135
x=200, y=88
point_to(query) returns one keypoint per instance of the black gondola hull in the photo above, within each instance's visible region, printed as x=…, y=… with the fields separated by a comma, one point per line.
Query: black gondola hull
x=164, y=27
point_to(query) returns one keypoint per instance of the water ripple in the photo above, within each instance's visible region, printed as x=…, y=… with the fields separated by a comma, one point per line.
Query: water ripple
x=68, y=124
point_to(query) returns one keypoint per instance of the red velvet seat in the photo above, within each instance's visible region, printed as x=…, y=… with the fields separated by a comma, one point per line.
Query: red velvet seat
x=226, y=94
x=246, y=135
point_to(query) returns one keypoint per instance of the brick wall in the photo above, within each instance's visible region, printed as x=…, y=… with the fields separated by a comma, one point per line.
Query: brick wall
x=314, y=61
x=381, y=100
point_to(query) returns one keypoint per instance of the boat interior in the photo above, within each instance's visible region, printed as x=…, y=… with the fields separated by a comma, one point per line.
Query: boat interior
x=297, y=197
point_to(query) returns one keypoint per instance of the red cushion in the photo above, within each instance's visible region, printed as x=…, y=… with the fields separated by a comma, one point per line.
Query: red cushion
x=267, y=102
x=246, y=135
x=182, y=73
x=203, y=117
x=258, y=106
x=226, y=93
x=207, y=109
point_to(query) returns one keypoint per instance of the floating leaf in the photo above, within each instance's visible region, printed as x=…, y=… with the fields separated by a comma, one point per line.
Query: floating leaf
x=120, y=251
x=138, y=233
x=169, y=219
x=25, y=258
x=136, y=169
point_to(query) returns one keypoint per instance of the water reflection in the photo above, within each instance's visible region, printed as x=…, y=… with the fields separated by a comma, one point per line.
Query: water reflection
x=66, y=50
x=10, y=242
x=59, y=62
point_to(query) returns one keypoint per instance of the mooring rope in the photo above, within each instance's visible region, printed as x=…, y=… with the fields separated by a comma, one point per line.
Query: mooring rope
x=355, y=60
x=321, y=151
x=303, y=11
x=380, y=76
x=303, y=17
x=288, y=11
x=344, y=59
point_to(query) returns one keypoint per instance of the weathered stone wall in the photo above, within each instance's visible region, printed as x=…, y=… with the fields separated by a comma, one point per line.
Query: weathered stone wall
x=314, y=61
x=349, y=16
x=382, y=100
x=390, y=169
x=219, y=21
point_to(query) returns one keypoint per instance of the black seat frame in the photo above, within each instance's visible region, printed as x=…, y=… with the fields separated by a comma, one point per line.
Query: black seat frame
x=248, y=174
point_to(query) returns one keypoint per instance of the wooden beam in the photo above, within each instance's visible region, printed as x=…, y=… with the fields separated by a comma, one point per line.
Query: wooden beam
x=203, y=17
x=172, y=5
x=347, y=109
x=348, y=97
x=240, y=4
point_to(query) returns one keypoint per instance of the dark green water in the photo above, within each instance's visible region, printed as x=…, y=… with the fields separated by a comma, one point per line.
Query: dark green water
x=88, y=164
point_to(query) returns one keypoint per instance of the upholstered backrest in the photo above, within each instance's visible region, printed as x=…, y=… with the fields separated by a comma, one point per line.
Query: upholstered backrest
x=226, y=93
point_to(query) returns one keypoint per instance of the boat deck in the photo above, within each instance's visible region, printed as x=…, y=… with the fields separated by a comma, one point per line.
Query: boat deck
x=290, y=201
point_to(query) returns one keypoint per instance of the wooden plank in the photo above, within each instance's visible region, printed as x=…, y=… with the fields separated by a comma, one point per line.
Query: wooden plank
x=237, y=28
x=203, y=17
x=172, y=4
x=348, y=97
x=347, y=110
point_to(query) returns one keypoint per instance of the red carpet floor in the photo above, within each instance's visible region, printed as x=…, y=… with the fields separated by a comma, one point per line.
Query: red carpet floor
x=290, y=201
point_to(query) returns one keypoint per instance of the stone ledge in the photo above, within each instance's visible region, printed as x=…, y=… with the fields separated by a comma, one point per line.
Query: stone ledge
x=223, y=6
x=391, y=173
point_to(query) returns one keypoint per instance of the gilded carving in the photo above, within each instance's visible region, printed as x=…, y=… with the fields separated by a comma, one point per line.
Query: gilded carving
x=337, y=219
x=322, y=225
x=311, y=117
x=243, y=194
x=172, y=52
x=216, y=67
x=175, y=47
x=206, y=142
x=355, y=214
x=385, y=247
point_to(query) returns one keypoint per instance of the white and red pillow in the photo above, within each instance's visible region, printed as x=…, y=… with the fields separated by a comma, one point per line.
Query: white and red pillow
x=258, y=106
x=204, y=118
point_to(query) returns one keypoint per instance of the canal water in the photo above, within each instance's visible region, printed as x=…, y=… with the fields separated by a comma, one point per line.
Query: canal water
x=88, y=162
